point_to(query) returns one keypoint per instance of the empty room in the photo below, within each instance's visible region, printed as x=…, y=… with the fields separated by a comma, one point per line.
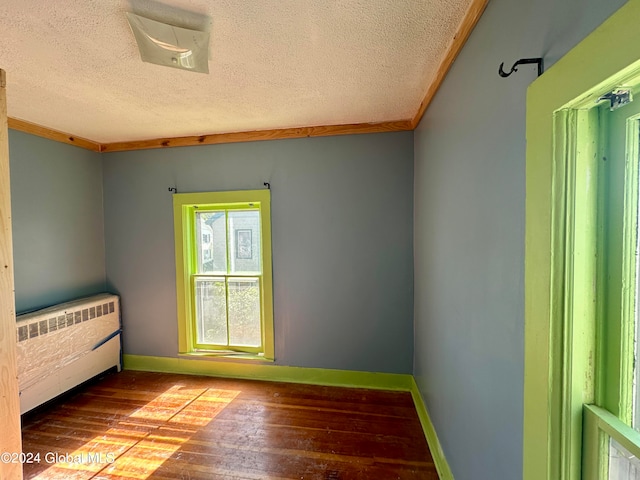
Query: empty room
x=335, y=239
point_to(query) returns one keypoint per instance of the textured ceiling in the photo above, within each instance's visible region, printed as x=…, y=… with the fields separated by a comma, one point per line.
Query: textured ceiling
x=73, y=65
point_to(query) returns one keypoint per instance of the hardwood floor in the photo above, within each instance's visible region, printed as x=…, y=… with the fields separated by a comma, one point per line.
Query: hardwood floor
x=138, y=425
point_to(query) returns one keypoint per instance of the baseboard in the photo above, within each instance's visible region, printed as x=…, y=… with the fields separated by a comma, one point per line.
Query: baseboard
x=314, y=376
x=270, y=372
x=444, y=472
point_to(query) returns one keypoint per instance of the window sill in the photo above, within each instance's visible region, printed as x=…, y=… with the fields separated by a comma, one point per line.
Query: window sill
x=227, y=356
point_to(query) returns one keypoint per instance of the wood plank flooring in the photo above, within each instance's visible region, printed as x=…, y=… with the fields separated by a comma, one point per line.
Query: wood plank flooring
x=137, y=425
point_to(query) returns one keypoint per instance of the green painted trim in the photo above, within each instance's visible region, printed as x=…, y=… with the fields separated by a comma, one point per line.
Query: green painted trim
x=183, y=213
x=181, y=238
x=577, y=239
x=269, y=372
x=444, y=472
x=594, y=442
x=268, y=339
x=600, y=419
x=573, y=82
x=622, y=217
x=629, y=280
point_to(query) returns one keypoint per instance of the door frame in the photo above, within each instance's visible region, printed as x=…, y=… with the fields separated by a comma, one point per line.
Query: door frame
x=11, y=438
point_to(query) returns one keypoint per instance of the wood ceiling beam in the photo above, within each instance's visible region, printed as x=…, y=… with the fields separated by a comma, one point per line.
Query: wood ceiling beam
x=469, y=22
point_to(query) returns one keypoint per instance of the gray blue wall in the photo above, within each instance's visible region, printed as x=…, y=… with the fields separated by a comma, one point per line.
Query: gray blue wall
x=342, y=221
x=469, y=233
x=58, y=223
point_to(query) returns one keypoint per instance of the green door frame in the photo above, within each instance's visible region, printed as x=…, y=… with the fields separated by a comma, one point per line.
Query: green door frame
x=560, y=240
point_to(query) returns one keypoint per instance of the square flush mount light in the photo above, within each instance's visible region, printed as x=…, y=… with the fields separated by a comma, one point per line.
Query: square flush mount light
x=170, y=46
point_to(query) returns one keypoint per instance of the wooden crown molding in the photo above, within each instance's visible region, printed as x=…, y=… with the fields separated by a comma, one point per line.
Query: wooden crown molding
x=51, y=134
x=461, y=36
x=302, y=132
x=211, y=139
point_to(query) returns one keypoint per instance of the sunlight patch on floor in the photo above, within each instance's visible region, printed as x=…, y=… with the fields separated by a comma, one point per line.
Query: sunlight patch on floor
x=152, y=434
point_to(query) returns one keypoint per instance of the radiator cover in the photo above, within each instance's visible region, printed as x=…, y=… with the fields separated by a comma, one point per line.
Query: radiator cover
x=62, y=346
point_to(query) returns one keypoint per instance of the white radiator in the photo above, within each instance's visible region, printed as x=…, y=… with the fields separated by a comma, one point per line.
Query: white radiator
x=64, y=345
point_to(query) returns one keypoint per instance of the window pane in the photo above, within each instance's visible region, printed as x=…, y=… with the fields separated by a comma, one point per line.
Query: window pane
x=211, y=241
x=211, y=311
x=244, y=241
x=244, y=312
x=622, y=464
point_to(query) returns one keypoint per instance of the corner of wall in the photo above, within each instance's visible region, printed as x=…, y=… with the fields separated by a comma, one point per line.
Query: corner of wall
x=444, y=472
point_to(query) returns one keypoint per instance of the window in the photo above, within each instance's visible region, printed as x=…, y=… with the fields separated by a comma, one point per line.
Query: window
x=223, y=273
x=611, y=443
x=580, y=263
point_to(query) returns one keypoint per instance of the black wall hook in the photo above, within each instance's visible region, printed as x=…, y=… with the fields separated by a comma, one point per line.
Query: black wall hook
x=173, y=189
x=522, y=61
x=268, y=185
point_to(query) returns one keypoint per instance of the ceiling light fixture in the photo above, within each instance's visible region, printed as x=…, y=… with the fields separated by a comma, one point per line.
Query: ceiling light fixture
x=169, y=45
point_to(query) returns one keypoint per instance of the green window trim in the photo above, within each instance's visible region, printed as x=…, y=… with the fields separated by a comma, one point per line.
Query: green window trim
x=599, y=423
x=184, y=207
x=560, y=330
x=616, y=390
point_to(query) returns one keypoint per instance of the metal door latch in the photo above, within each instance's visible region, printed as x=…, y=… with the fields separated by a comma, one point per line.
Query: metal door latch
x=617, y=98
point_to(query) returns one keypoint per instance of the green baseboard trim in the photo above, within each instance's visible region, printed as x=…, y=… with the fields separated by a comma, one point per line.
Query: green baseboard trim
x=444, y=472
x=270, y=372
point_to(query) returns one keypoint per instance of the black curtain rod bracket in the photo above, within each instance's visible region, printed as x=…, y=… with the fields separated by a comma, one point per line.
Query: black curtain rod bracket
x=522, y=61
